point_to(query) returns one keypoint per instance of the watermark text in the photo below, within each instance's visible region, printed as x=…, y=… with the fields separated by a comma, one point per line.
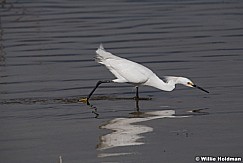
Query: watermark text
x=218, y=159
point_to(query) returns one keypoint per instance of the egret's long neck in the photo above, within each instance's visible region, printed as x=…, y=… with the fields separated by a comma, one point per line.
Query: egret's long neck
x=156, y=82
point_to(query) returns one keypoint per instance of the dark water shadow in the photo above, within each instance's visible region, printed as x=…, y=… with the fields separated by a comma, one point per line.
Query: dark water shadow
x=63, y=100
x=95, y=109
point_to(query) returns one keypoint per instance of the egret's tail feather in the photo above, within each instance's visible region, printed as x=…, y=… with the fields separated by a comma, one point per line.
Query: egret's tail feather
x=101, y=47
x=102, y=55
x=98, y=58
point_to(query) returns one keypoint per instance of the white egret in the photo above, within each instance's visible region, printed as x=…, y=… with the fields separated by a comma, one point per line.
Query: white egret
x=127, y=71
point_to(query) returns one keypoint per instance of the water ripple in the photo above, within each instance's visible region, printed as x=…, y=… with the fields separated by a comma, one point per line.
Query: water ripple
x=47, y=50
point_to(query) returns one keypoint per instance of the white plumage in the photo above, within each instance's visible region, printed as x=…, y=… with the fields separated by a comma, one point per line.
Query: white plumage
x=127, y=71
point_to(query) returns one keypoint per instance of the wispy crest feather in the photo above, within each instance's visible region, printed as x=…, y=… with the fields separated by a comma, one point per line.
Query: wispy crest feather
x=167, y=79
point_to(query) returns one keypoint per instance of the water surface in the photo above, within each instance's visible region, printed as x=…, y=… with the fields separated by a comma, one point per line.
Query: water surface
x=46, y=66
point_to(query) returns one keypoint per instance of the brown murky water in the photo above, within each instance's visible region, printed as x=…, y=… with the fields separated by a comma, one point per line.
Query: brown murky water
x=46, y=66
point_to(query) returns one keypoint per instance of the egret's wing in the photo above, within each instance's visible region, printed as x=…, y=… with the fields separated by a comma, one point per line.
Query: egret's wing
x=113, y=70
x=129, y=70
x=125, y=70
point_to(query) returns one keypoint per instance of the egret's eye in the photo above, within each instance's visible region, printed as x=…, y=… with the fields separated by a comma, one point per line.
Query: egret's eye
x=189, y=83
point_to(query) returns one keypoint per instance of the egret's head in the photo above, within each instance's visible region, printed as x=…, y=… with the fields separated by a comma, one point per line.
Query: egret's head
x=187, y=82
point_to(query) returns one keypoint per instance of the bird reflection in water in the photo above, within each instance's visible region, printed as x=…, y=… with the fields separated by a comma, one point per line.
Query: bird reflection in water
x=127, y=131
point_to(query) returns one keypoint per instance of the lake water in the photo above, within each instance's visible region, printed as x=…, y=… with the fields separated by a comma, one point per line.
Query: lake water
x=46, y=65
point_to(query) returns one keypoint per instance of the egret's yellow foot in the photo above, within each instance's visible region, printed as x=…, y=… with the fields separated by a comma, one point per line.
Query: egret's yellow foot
x=84, y=100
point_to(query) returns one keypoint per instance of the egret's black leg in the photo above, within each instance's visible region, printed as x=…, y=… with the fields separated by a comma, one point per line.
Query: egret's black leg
x=137, y=99
x=97, y=85
x=137, y=106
